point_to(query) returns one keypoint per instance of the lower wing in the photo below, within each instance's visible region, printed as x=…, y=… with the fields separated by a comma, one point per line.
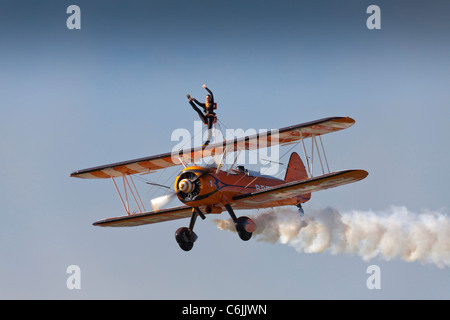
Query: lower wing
x=249, y=200
x=139, y=219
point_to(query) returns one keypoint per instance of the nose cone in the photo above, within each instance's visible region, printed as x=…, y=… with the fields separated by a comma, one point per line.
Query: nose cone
x=186, y=186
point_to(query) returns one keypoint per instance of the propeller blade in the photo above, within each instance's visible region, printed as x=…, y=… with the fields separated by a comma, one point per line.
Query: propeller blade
x=159, y=202
x=201, y=174
x=157, y=184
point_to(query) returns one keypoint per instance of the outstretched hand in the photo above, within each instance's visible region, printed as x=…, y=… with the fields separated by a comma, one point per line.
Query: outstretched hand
x=204, y=86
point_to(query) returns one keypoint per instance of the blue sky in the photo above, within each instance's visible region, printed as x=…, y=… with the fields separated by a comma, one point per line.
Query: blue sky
x=116, y=90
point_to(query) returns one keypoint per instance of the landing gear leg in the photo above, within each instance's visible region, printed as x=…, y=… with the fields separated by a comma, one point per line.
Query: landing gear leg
x=244, y=225
x=186, y=236
x=300, y=209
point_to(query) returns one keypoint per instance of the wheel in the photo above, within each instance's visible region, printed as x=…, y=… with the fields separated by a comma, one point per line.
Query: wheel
x=245, y=227
x=186, y=246
x=185, y=238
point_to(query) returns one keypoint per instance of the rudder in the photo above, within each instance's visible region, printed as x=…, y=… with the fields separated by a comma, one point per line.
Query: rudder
x=296, y=169
x=296, y=172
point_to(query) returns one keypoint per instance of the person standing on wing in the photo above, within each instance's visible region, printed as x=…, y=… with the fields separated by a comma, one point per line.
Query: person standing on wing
x=209, y=116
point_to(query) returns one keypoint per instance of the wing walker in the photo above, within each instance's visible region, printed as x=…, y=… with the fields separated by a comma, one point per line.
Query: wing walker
x=210, y=189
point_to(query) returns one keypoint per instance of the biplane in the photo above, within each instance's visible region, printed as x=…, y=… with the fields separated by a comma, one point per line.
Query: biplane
x=210, y=189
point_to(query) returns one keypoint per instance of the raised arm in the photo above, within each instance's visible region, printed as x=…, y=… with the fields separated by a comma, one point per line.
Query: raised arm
x=210, y=92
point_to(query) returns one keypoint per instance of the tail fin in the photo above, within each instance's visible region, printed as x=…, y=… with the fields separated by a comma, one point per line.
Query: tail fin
x=296, y=169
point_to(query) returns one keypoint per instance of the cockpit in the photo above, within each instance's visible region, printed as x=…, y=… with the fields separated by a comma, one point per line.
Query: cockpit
x=247, y=172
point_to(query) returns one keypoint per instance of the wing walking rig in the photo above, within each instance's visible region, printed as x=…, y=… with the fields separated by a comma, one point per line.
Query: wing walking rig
x=211, y=190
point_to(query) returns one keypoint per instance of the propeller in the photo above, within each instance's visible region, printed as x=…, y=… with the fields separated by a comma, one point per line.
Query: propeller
x=159, y=202
x=202, y=173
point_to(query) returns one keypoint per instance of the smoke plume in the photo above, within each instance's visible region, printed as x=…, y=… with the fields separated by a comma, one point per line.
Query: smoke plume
x=393, y=233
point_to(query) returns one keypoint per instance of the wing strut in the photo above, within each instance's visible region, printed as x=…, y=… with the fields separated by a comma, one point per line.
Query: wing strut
x=304, y=152
x=127, y=186
x=314, y=146
x=324, y=155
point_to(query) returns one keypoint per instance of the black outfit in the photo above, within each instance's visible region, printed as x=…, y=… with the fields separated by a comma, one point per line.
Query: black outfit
x=209, y=116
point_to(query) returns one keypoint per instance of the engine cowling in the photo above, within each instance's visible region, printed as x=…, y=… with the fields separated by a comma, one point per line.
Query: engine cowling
x=194, y=185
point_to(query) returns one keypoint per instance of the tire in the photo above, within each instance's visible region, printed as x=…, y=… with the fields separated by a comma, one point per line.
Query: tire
x=185, y=238
x=186, y=246
x=242, y=224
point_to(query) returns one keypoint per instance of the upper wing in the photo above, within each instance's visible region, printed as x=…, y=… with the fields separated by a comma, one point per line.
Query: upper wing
x=138, y=219
x=295, y=188
x=261, y=140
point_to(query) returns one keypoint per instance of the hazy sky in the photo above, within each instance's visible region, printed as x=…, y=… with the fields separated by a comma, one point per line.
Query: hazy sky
x=116, y=89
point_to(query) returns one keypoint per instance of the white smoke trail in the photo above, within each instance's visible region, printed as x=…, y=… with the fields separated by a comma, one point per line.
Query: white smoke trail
x=396, y=232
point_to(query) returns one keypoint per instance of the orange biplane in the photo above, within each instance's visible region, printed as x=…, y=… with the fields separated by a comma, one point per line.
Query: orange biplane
x=211, y=190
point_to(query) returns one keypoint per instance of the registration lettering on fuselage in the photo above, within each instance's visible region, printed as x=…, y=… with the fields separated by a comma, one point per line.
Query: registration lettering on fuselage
x=260, y=187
